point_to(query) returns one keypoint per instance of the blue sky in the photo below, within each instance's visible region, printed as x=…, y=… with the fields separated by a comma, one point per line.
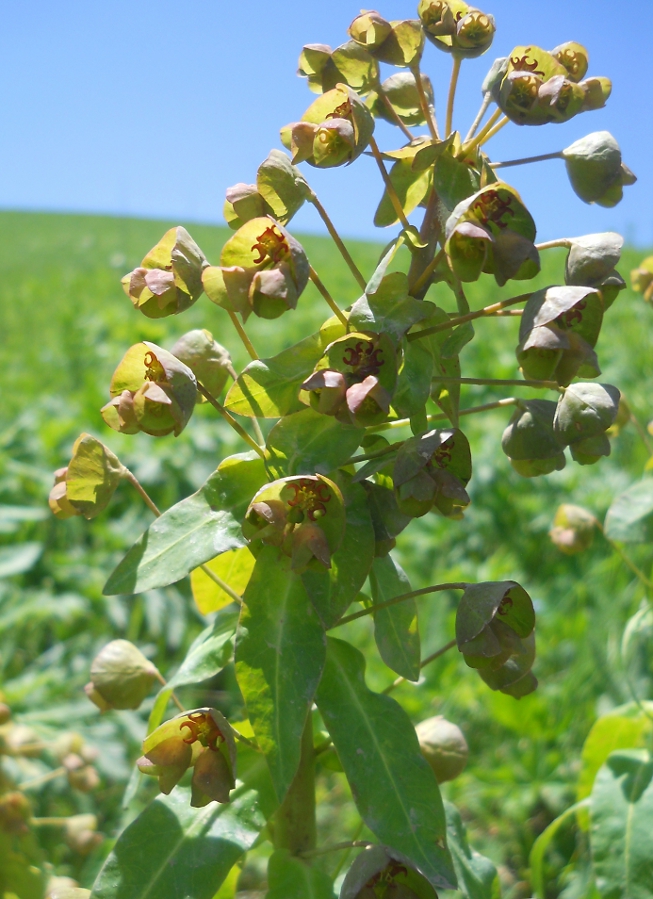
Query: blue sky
x=153, y=108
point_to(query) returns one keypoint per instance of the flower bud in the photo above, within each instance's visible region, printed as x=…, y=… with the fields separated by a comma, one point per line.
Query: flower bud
x=86, y=485
x=432, y=471
x=303, y=516
x=642, y=279
x=15, y=812
x=370, y=30
x=81, y=776
x=443, y=746
x=242, y=203
x=152, y=391
x=583, y=415
x=121, y=677
x=530, y=442
x=574, y=58
x=400, y=90
x=456, y=27
x=591, y=262
x=64, y=888
x=169, y=279
x=23, y=740
x=573, y=529
x=595, y=169
x=207, y=359
x=80, y=833
x=349, y=64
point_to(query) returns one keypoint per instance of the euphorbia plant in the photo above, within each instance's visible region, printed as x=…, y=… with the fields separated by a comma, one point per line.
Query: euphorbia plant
x=302, y=524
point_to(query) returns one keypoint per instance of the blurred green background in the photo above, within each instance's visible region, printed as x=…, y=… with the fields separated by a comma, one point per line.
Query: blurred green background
x=64, y=325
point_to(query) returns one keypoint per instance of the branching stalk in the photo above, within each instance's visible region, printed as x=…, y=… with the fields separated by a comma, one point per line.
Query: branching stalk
x=239, y=429
x=334, y=847
x=470, y=316
x=393, y=112
x=42, y=779
x=525, y=160
x=426, y=661
x=427, y=112
x=161, y=679
x=394, y=199
x=404, y=422
x=436, y=588
x=247, y=343
x=453, y=84
x=485, y=105
x=333, y=306
x=344, y=252
x=501, y=382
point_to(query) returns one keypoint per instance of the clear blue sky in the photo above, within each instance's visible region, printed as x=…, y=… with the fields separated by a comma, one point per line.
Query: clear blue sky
x=152, y=107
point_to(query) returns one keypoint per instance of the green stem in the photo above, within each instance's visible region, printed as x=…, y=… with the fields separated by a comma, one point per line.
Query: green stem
x=500, y=124
x=427, y=112
x=436, y=588
x=42, y=779
x=404, y=422
x=258, y=433
x=239, y=429
x=551, y=244
x=394, y=199
x=481, y=136
x=426, y=274
x=174, y=697
x=525, y=160
x=247, y=343
x=455, y=72
x=625, y=558
x=500, y=382
x=423, y=663
x=641, y=430
x=393, y=113
x=487, y=99
x=334, y=847
x=147, y=499
x=294, y=826
x=48, y=822
x=344, y=252
x=333, y=306
x=470, y=316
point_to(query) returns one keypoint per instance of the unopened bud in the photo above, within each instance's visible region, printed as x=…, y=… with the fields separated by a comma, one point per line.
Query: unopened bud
x=443, y=746
x=573, y=529
x=81, y=833
x=121, y=677
x=15, y=812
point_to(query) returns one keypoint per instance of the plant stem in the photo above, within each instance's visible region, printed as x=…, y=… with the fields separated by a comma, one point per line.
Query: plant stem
x=470, y=316
x=344, y=252
x=345, y=857
x=436, y=588
x=500, y=124
x=500, y=382
x=242, y=739
x=149, y=502
x=392, y=194
x=625, y=558
x=487, y=99
x=424, y=103
x=525, y=160
x=47, y=822
x=403, y=422
x=426, y=274
x=551, y=244
x=327, y=296
x=431, y=658
x=393, y=112
x=294, y=825
x=173, y=695
x=334, y=847
x=42, y=779
x=239, y=429
x=383, y=452
x=641, y=430
x=258, y=433
x=247, y=343
x=494, y=118
x=455, y=72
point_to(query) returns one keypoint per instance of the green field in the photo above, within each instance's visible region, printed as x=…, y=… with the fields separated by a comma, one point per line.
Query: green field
x=64, y=325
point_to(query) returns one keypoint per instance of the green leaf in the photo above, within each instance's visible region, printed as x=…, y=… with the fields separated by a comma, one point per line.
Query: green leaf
x=542, y=843
x=395, y=628
x=291, y=878
x=414, y=381
x=19, y=558
x=389, y=309
x=280, y=652
x=193, y=531
x=173, y=850
x=233, y=567
x=621, y=811
x=269, y=388
x=332, y=591
x=394, y=788
x=453, y=179
x=630, y=517
x=310, y=443
x=410, y=187
x=477, y=875
x=626, y=727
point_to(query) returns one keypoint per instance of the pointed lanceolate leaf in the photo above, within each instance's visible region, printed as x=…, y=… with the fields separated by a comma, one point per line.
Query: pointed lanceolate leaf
x=233, y=567
x=621, y=812
x=309, y=443
x=173, y=850
x=192, y=532
x=395, y=790
x=389, y=309
x=280, y=651
x=477, y=876
x=395, y=628
x=291, y=878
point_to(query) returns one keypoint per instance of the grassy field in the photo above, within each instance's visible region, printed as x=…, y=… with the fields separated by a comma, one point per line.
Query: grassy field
x=65, y=323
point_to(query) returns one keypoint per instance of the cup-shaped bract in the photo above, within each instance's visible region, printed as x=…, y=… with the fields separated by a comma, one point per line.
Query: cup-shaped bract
x=444, y=747
x=349, y=64
x=355, y=379
x=401, y=92
x=591, y=262
x=263, y=270
x=169, y=279
x=431, y=471
x=493, y=232
x=530, y=442
x=399, y=43
x=583, y=415
x=642, y=278
x=492, y=621
x=121, y=677
x=557, y=333
x=152, y=391
x=202, y=739
x=86, y=485
x=207, y=359
x=457, y=27
x=574, y=57
x=279, y=192
x=595, y=169
x=514, y=676
x=573, y=529
x=335, y=129
x=303, y=516
x=380, y=872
